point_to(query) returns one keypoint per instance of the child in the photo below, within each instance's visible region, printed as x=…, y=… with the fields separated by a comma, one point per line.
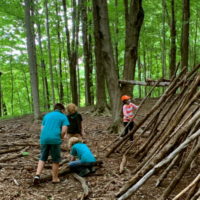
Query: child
x=54, y=127
x=128, y=116
x=83, y=165
x=75, y=119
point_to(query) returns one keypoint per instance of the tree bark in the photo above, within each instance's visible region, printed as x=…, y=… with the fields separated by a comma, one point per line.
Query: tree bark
x=86, y=52
x=108, y=60
x=163, y=39
x=49, y=52
x=42, y=64
x=134, y=23
x=32, y=58
x=172, y=41
x=1, y=99
x=100, y=75
x=72, y=48
x=61, y=91
x=185, y=33
x=147, y=83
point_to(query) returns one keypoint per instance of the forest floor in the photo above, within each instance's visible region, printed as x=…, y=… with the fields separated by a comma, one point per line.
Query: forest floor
x=16, y=174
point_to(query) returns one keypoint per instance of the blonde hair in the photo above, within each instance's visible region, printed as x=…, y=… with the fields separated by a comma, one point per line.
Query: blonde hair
x=73, y=140
x=71, y=108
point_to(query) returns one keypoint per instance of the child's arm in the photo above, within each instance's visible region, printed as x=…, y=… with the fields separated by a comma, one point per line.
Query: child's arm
x=134, y=106
x=64, y=131
x=82, y=130
x=72, y=158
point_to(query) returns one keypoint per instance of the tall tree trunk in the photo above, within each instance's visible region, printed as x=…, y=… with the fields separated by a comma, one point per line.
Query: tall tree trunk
x=49, y=52
x=172, y=41
x=12, y=86
x=32, y=58
x=116, y=23
x=100, y=75
x=61, y=93
x=5, y=112
x=145, y=67
x=185, y=33
x=42, y=65
x=195, y=40
x=101, y=11
x=27, y=90
x=163, y=39
x=1, y=95
x=139, y=76
x=91, y=44
x=66, y=72
x=72, y=48
x=86, y=53
x=134, y=22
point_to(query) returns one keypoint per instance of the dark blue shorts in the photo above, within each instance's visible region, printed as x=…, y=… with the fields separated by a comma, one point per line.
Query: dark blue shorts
x=52, y=149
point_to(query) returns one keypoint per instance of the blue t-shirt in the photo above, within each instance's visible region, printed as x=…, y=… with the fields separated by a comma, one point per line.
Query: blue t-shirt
x=83, y=152
x=52, y=126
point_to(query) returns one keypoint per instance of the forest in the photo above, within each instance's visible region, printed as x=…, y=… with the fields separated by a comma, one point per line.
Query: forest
x=91, y=53
x=63, y=64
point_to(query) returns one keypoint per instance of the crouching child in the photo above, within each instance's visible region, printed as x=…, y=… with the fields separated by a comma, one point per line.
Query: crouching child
x=84, y=164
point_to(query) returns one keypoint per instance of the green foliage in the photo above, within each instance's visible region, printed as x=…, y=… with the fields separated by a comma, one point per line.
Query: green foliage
x=14, y=60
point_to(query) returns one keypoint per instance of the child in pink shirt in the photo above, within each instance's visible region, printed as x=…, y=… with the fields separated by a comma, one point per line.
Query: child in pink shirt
x=128, y=116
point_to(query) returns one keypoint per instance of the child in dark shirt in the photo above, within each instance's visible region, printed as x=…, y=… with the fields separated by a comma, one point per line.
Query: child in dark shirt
x=75, y=128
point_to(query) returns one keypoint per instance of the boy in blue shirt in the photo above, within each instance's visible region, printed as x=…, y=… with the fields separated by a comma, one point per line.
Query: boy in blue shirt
x=54, y=128
x=83, y=165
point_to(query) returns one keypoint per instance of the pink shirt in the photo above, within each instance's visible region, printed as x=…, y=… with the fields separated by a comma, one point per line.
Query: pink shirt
x=128, y=111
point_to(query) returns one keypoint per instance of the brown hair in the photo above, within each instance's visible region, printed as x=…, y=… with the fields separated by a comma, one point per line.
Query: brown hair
x=59, y=106
x=71, y=108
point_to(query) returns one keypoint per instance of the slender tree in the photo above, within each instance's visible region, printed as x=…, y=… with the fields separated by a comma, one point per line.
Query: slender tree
x=72, y=47
x=185, y=33
x=134, y=16
x=32, y=57
x=172, y=41
x=12, y=85
x=49, y=51
x=163, y=39
x=61, y=93
x=1, y=95
x=86, y=53
x=42, y=62
x=116, y=29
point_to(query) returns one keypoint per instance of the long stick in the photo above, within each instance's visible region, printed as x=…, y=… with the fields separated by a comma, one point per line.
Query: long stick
x=197, y=179
x=158, y=166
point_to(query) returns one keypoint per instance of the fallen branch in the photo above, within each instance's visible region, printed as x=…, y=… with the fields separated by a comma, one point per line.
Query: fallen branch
x=146, y=83
x=194, y=182
x=65, y=170
x=20, y=144
x=10, y=150
x=83, y=184
x=127, y=192
x=193, y=153
x=196, y=195
x=62, y=172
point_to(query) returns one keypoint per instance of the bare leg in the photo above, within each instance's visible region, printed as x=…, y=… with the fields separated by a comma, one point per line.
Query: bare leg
x=40, y=167
x=55, y=170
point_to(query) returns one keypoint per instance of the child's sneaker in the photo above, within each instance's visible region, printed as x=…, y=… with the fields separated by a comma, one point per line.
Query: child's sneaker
x=36, y=180
x=84, y=172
